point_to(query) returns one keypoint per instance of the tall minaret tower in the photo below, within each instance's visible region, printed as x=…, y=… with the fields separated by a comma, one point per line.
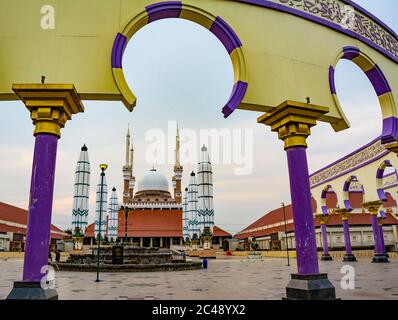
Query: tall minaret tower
x=185, y=216
x=132, y=177
x=193, y=206
x=81, y=194
x=127, y=171
x=178, y=169
x=113, y=216
x=205, y=191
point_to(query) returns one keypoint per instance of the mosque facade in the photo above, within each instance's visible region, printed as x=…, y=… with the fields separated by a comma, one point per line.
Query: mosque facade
x=152, y=216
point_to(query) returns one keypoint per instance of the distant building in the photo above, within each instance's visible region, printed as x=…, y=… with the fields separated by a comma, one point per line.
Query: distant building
x=13, y=221
x=154, y=215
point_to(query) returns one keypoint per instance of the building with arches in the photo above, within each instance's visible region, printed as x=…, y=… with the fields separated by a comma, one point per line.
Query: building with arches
x=342, y=184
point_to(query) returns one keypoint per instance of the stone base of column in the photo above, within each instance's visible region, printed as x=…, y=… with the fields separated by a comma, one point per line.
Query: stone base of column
x=24, y=290
x=326, y=257
x=349, y=258
x=380, y=258
x=310, y=287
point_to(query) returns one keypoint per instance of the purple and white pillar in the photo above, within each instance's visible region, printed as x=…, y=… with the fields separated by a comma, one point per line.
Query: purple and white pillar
x=325, y=246
x=347, y=240
x=304, y=230
x=40, y=207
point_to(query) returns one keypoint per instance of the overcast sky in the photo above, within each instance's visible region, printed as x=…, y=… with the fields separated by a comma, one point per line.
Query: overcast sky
x=181, y=72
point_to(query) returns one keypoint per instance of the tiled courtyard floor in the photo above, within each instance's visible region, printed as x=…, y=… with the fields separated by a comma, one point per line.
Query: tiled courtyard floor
x=225, y=279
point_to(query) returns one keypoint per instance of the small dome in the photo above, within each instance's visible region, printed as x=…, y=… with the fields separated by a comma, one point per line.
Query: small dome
x=84, y=148
x=153, y=180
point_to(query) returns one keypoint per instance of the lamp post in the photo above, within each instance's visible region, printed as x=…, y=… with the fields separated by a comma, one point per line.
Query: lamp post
x=287, y=244
x=103, y=167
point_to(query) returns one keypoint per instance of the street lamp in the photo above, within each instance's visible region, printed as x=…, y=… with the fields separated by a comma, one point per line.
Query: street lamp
x=287, y=244
x=103, y=167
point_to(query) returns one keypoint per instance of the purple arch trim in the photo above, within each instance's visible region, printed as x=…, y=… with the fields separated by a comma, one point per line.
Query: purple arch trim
x=325, y=210
x=325, y=191
x=347, y=205
x=118, y=49
x=238, y=93
x=279, y=7
x=390, y=130
x=225, y=34
x=350, y=53
x=383, y=214
x=163, y=10
x=378, y=80
x=381, y=194
x=332, y=84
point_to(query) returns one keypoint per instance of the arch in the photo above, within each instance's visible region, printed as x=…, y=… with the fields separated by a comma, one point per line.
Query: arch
x=380, y=85
x=379, y=179
x=176, y=9
x=346, y=191
x=324, y=194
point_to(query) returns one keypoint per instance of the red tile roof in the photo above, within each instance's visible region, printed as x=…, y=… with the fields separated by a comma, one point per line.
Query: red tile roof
x=218, y=232
x=15, y=215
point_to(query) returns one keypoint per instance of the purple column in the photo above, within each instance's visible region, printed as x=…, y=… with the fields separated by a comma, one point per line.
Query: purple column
x=347, y=240
x=376, y=235
x=40, y=206
x=304, y=231
x=383, y=246
x=324, y=240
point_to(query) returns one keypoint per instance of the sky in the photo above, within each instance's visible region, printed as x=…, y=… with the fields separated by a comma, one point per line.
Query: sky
x=181, y=73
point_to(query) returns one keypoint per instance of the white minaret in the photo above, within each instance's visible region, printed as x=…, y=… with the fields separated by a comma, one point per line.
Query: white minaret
x=113, y=212
x=205, y=191
x=178, y=170
x=185, y=216
x=103, y=208
x=132, y=177
x=127, y=170
x=81, y=193
x=193, y=207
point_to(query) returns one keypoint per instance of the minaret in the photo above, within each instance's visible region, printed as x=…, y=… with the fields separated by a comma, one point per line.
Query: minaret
x=81, y=194
x=132, y=177
x=193, y=206
x=178, y=170
x=113, y=216
x=205, y=190
x=127, y=171
x=103, y=209
x=185, y=216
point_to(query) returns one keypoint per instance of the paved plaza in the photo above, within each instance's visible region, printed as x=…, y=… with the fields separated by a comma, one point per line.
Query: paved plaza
x=225, y=279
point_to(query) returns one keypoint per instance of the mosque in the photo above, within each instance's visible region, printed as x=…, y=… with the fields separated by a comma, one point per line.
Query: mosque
x=152, y=216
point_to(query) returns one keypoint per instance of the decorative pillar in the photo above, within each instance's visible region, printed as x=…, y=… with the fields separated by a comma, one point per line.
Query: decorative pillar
x=380, y=221
x=151, y=242
x=373, y=207
x=345, y=215
x=161, y=242
x=293, y=120
x=141, y=242
x=50, y=106
x=323, y=219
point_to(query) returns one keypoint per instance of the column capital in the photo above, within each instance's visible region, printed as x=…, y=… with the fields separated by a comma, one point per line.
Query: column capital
x=323, y=218
x=293, y=121
x=50, y=105
x=344, y=214
x=393, y=147
x=372, y=206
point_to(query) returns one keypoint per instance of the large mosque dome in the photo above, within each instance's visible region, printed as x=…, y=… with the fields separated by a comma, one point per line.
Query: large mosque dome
x=153, y=181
